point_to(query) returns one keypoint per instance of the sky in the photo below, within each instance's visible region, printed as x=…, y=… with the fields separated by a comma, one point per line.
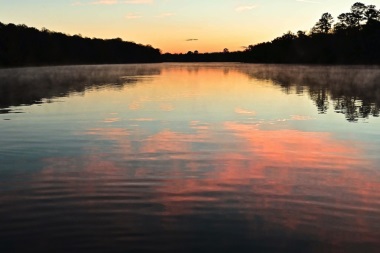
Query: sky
x=175, y=26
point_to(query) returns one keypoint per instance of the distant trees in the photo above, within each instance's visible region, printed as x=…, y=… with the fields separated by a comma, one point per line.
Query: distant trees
x=354, y=39
x=204, y=57
x=22, y=46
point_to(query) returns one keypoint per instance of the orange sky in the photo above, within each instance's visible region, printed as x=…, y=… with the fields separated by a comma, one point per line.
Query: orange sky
x=175, y=26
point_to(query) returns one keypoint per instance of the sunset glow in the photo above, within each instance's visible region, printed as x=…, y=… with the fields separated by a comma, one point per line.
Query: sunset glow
x=174, y=26
x=189, y=157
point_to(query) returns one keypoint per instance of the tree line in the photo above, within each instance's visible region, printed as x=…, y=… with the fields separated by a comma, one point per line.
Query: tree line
x=353, y=39
x=26, y=46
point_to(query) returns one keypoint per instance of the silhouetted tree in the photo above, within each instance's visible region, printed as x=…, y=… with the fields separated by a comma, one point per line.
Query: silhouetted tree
x=301, y=34
x=358, y=10
x=371, y=14
x=347, y=21
x=324, y=24
x=360, y=15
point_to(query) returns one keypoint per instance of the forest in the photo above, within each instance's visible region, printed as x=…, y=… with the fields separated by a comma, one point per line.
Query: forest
x=353, y=38
x=26, y=46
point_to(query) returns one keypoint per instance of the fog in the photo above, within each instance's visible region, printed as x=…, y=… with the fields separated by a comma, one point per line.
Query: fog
x=351, y=90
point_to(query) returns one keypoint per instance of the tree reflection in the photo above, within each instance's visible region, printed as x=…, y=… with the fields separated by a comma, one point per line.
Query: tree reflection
x=355, y=109
x=28, y=86
x=350, y=90
x=354, y=91
x=320, y=98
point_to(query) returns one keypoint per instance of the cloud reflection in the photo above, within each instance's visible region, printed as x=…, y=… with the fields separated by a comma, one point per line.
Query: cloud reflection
x=229, y=174
x=288, y=178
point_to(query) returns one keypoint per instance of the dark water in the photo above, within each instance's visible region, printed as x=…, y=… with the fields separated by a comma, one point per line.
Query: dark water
x=190, y=158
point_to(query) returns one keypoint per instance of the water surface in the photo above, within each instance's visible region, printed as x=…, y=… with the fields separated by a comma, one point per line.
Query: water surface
x=190, y=158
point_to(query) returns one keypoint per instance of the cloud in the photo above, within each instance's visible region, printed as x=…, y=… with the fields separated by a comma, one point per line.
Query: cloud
x=133, y=16
x=245, y=8
x=301, y=117
x=191, y=39
x=244, y=111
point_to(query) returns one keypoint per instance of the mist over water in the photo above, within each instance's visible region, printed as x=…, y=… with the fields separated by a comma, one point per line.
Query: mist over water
x=190, y=158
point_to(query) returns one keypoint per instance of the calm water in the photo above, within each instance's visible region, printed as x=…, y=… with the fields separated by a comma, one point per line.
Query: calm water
x=190, y=158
